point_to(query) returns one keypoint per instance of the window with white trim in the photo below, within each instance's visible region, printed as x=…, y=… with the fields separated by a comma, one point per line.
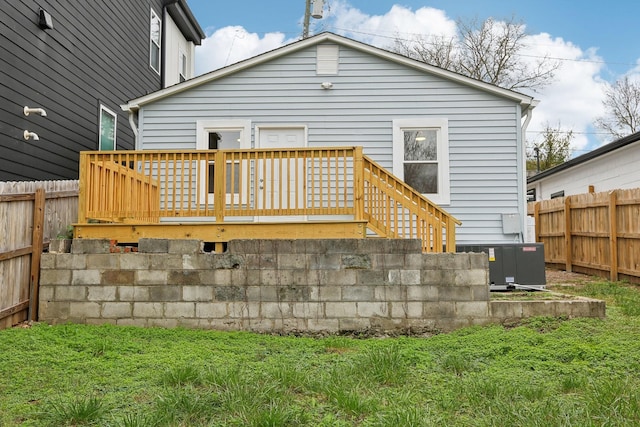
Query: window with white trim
x=182, y=64
x=221, y=135
x=421, y=156
x=155, y=38
x=108, y=125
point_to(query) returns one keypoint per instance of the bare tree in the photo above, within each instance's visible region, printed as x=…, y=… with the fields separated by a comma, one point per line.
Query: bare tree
x=622, y=104
x=490, y=51
x=554, y=149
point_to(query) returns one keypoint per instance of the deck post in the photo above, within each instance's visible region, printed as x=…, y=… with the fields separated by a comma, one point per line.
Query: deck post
x=82, y=188
x=358, y=184
x=219, y=185
x=451, y=235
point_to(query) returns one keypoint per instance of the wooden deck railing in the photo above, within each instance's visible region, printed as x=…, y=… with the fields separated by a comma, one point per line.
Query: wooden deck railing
x=113, y=191
x=293, y=184
x=394, y=209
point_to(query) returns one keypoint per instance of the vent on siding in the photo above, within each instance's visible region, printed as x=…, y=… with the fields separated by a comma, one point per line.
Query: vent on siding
x=327, y=59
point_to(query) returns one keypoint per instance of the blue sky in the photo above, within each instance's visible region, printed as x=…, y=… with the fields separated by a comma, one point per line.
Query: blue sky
x=596, y=42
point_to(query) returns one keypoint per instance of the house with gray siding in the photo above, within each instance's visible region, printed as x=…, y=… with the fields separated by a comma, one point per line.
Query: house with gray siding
x=612, y=166
x=457, y=140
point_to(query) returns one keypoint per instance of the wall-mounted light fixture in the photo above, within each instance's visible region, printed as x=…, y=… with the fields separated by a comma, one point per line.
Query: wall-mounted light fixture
x=45, y=21
x=326, y=85
x=40, y=111
x=420, y=136
x=28, y=135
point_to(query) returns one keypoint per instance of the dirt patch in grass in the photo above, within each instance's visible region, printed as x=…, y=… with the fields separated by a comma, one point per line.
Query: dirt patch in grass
x=557, y=282
x=561, y=277
x=531, y=296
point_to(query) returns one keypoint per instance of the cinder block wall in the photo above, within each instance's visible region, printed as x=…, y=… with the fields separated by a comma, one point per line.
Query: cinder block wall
x=267, y=285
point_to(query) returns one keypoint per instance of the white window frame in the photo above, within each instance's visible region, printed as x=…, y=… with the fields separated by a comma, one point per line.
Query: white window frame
x=115, y=126
x=203, y=128
x=441, y=125
x=182, y=66
x=153, y=43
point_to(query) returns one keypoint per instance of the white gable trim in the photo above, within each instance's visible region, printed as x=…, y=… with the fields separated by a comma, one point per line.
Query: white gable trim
x=135, y=104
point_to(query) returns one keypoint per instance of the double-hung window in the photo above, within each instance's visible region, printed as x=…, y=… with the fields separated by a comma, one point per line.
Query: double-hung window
x=155, y=39
x=421, y=156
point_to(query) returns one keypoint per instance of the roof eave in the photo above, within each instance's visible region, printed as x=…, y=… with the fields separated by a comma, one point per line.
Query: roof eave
x=607, y=148
x=525, y=101
x=136, y=103
x=184, y=19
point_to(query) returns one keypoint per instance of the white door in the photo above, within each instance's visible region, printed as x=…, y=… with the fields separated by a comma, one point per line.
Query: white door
x=281, y=182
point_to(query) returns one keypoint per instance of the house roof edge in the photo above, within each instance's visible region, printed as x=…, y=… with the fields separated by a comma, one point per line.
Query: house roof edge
x=525, y=101
x=187, y=23
x=607, y=148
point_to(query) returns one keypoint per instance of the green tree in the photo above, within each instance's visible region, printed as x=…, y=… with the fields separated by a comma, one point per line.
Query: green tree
x=553, y=149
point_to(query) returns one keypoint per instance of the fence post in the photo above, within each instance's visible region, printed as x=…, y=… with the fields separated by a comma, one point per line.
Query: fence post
x=613, y=235
x=567, y=234
x=536, y=219
x=358, y=184
x=36, y=252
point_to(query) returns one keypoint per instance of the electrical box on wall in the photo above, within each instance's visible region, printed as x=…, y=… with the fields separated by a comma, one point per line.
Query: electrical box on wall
x=511, y=224
x=513, y=266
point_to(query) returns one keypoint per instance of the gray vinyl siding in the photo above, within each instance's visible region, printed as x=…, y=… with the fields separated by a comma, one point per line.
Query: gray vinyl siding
x=368, y=93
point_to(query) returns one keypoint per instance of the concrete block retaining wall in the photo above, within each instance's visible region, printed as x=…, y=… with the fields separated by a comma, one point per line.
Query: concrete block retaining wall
x=268, y=285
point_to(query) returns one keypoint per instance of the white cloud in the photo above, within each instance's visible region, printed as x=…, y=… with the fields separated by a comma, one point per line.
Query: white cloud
x=574, y=99
x=381, y=30
x=229, y=45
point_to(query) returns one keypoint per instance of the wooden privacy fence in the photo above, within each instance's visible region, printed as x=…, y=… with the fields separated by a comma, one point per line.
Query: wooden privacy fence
x=593, y=233
x=32, y=214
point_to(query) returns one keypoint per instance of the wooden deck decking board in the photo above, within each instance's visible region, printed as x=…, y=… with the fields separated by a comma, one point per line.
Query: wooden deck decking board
x=223, y=232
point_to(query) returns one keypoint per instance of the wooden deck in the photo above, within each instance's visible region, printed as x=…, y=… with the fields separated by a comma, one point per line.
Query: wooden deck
x=220, y=195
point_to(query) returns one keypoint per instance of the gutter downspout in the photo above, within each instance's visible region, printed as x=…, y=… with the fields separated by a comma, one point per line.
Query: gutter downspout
x=163, y=49
x=527, y=120
x=133, y=116
x=134, y=128
x=528, y=114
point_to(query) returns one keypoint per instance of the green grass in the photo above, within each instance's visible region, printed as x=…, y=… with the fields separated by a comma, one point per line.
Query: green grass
x=542, y=372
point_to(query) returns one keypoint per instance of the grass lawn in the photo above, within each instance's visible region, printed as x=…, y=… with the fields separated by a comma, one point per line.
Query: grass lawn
x=544, y=372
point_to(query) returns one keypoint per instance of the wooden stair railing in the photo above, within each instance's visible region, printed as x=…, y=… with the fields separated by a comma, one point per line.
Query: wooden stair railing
x=394, y=209
x=108, y=186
